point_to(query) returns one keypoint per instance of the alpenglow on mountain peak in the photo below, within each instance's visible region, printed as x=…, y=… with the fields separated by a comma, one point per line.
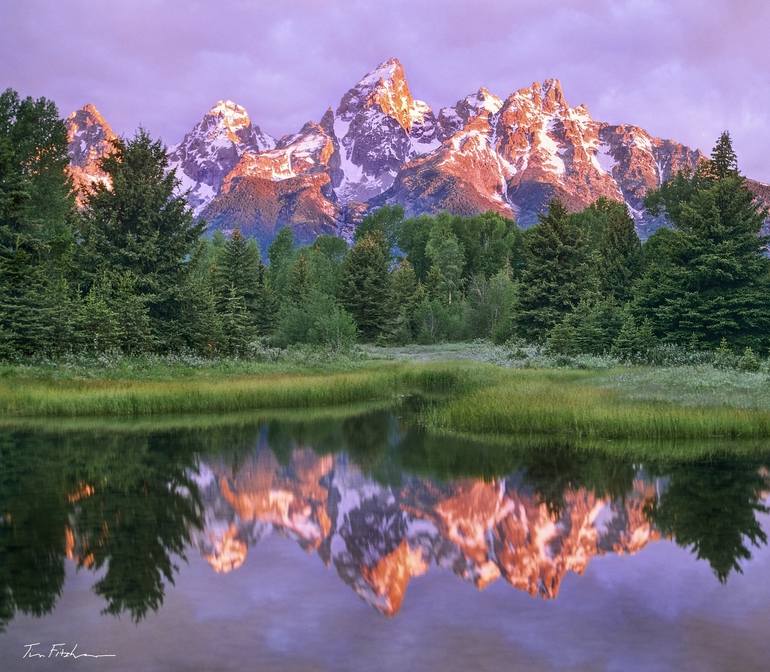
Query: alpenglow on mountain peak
x=379, y=145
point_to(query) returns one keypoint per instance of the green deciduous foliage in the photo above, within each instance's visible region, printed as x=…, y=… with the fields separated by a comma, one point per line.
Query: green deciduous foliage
x=318, y=320
x=491, y=306
x=447, y=260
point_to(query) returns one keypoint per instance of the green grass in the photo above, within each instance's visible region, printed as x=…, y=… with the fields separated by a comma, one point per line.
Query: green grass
x=477, y=397
x=584, y=404
x=203, y=392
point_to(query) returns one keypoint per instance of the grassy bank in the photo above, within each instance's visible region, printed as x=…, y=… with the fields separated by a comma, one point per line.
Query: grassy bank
x=481, y=394
x=37, y=392
x=607, y=406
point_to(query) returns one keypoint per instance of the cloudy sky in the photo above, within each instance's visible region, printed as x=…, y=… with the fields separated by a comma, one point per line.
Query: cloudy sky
x=683, y=69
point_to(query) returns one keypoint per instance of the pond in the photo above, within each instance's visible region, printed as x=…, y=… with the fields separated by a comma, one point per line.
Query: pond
x=356, y=541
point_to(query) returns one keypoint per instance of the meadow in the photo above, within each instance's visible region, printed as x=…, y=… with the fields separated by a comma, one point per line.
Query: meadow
x=474, y=389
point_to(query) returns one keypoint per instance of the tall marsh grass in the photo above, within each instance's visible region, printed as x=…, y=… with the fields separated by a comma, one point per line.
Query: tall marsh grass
x=21, y=396
x=571, y=403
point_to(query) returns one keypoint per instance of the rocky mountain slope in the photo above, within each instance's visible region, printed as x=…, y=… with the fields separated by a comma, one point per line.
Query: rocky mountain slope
x=380, y=146
x=89, y=137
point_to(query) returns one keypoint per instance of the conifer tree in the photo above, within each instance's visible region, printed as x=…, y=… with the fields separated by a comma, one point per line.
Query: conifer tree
x=299, y=279
x=365, y=285
x=447, y=259
x=236, y=266
x=589, y=329
x=36, y=215
x=141, y=224
x=724, y=161
x=266, y=303
x=713, y=280
x=403, y=299
x=237, y=328
x=615, y=251
x=634, y=340
x=556, y=275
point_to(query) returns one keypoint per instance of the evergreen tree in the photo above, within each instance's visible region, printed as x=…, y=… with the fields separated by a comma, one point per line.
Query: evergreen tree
x=589, y=329
x=202, y=331
x=556, y=275
x=634, y=340
x=713, y=280
x=143, y=226
x=132, y=316
x=365, y=285
x=237, y=266
x=614, y=248
x=98, y=324
x=266, y=303
x=299, y=279
x=281, y=255
x=403, y=300
x=724, y=161
x=237, y=328
x=36, y=214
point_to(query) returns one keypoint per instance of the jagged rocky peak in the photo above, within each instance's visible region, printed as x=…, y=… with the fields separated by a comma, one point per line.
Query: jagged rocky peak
x=310, y=150
x=88, y=135
x=212, y=148
x=89, y=139
x=378, y=126
x=455, y=117
x=384, y=87
x=517, y=157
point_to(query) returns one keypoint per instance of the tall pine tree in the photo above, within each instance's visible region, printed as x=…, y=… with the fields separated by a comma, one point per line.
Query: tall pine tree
x=36, y=215
x=141, y=224
x=365, y=285
x=713, y=281
x=556, y=275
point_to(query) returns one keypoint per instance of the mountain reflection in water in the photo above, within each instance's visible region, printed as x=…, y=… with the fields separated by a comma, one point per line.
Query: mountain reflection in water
x=377, y=501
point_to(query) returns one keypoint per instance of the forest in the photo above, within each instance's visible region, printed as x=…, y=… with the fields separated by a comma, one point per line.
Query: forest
x=132, y=271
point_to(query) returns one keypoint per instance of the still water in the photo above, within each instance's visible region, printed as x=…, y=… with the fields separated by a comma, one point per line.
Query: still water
x=359, y=543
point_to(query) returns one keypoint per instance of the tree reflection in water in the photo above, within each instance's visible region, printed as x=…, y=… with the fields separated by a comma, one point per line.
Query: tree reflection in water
x=376, y=499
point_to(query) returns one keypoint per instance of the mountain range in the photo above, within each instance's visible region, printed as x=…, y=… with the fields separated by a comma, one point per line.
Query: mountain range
x=381, y=146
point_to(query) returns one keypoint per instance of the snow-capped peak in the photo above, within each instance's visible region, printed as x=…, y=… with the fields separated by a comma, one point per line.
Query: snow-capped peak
x=378, y=126
x=212, y=148
x=384, y=88
x=385, y=71
x=483, y=99
x=233, y=116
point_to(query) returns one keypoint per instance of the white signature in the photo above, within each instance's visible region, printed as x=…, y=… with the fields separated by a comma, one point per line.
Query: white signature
x=60, y=650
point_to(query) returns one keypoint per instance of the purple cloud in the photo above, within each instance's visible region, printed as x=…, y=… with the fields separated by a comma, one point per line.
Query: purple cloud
x=681, y=69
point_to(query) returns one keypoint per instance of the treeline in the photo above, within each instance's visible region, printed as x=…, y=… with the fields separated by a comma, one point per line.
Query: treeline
x=131, y=272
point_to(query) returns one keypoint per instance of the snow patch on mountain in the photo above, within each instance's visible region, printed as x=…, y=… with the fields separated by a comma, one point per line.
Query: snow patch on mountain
x=212, y=149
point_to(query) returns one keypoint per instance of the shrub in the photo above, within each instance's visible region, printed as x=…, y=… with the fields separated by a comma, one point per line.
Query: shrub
x=749, y=361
